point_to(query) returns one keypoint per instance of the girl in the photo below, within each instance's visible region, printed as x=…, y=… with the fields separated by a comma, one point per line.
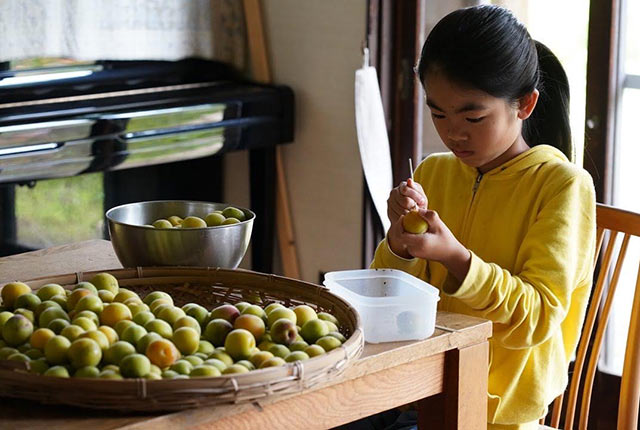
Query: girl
x=511, y=234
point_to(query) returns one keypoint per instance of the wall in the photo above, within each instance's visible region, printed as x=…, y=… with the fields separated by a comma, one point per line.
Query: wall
x=315, y=49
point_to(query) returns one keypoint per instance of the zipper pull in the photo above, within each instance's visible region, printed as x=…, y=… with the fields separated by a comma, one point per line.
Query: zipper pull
x=477, y=183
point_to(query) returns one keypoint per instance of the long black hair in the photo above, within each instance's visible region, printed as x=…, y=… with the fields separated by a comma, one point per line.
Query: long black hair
x=487, y=48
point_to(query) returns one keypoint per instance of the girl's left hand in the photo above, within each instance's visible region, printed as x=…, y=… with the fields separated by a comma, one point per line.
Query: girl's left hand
x=436, y=244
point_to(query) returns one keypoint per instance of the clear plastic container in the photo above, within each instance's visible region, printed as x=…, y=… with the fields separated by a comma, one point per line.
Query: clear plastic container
x=392, y=304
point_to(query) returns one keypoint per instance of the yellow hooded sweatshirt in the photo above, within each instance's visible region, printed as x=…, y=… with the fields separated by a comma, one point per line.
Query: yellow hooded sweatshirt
x=530, y=226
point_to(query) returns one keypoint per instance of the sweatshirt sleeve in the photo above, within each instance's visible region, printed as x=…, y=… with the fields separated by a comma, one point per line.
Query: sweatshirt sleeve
x=385, y=258
x=527, y=308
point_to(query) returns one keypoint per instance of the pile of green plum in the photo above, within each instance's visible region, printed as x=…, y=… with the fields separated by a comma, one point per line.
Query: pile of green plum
x=97, y=329
x=229, y=215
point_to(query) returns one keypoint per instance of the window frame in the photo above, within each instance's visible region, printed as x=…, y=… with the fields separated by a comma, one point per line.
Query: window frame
x=602, y=88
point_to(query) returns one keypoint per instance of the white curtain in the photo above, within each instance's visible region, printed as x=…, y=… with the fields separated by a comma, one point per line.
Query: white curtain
x=123, y=29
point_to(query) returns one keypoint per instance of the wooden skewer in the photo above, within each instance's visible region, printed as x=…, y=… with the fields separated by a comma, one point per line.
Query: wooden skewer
x=411, y=168
x=262, y=73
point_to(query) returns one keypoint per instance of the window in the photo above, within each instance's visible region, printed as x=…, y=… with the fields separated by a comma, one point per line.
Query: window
x=627, y=150
x=58, y=211
x=626, y=176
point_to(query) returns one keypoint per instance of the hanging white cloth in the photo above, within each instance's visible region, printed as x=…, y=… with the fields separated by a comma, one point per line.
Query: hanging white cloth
x=123, y=30
x=373, y=139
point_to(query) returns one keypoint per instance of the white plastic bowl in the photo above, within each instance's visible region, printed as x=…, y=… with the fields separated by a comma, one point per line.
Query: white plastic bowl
x=393, y=305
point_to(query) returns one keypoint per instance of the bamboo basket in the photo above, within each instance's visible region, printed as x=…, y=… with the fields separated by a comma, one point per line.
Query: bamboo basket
x=208, y=287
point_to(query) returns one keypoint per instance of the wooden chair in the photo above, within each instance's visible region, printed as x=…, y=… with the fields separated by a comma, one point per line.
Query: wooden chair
x=615, y=222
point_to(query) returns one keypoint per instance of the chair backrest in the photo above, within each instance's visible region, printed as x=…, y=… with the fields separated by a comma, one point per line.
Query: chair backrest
x=612, y=222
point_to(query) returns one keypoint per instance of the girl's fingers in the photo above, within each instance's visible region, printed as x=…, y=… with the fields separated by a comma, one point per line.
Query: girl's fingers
x=431, y=217
x=407, y=204
x=404, y=198
x=413, y=191
x=415, y=185
x=400, y=202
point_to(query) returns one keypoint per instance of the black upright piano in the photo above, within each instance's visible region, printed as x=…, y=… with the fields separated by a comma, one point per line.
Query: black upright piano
x=156, y=129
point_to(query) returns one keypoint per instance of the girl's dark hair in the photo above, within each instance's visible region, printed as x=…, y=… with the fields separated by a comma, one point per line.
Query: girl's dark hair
x=487, y=48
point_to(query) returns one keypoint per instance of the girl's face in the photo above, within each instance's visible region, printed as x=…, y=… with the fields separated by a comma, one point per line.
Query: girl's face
x=481, y=130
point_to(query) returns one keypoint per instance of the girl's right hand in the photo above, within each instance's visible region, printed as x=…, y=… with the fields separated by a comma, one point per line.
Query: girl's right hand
x=405, y=197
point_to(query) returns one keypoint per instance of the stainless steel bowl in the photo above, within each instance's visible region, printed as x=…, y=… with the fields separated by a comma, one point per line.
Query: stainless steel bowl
x=138, y=245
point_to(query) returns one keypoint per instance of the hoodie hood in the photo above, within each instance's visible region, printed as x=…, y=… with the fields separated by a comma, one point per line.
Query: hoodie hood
x=535, y=156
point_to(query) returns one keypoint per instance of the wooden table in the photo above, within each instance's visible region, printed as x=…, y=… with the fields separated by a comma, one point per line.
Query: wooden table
x=446, y=373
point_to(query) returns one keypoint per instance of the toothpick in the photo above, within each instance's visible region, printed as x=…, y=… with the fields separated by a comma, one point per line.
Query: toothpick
x=411, y=168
